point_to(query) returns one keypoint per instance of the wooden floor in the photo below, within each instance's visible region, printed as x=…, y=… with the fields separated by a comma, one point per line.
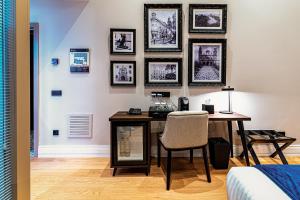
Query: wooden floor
x=91, y=178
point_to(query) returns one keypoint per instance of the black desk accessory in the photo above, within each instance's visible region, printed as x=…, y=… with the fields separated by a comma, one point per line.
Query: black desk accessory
x=183, y=103
x=135, y=111
x=160, y=111
x=209, y=108
x=229, y=90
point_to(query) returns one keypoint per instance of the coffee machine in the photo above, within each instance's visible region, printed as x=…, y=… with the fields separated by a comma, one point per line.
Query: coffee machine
x=183, y=103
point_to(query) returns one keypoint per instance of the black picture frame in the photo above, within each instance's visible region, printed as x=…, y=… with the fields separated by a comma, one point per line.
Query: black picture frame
x=163, y=83
x=113, y=51
x=217, y=30
x=210, y=60
x=147, y=45
x=113, y=82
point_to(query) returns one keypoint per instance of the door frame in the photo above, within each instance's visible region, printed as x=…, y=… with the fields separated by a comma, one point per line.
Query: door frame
x=35, y=28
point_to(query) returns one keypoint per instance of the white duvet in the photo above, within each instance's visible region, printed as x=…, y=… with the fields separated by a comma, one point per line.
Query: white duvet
x=248, y=183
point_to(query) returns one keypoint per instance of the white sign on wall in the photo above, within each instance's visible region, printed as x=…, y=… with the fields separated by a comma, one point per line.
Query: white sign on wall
x=79, y=60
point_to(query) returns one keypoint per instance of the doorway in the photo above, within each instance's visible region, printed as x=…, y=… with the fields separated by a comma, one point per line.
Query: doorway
x=34, y=89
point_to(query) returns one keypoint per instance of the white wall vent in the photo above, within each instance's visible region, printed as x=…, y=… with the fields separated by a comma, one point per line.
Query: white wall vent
x=80, y=125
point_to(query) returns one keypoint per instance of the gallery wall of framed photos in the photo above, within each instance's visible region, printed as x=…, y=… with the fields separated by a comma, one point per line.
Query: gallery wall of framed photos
x=87, y=24
x=163, y=35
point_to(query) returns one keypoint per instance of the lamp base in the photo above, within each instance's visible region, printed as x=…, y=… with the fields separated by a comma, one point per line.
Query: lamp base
x=226, y=112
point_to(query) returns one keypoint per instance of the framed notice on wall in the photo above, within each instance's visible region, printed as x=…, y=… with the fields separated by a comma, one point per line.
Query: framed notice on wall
x=79, y=60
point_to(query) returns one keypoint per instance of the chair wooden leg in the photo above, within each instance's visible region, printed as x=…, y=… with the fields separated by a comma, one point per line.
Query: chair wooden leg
x=158, y=152
x=169, y=163
x=191, y=155
x=206, y=164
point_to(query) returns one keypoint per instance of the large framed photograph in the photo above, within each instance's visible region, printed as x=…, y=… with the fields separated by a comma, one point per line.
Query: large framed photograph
x=207, y=18
x=207, y=62
x=123, y=73
x=163, y=27
x=79, y=60
x=163, y=72
x=122, y=41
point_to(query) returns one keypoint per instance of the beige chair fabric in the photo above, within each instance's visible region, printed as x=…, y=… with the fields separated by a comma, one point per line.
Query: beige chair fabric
x=185, y=129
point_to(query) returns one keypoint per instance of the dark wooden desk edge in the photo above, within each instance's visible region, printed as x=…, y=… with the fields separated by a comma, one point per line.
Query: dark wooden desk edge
x=145, y=117
x=124, y=116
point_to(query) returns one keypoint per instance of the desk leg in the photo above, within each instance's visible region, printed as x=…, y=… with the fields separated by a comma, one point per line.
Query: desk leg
x=244, y=141
x=149, y=148
x=229, y=125
x=114, y=171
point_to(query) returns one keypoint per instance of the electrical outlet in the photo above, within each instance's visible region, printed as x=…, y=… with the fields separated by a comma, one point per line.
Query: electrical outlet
x=55, y=132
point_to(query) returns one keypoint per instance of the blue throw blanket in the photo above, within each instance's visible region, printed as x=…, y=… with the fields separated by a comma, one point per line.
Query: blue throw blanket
x=287, y=177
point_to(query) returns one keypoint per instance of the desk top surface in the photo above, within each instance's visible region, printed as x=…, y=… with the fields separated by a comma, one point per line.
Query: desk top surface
x=124, y=116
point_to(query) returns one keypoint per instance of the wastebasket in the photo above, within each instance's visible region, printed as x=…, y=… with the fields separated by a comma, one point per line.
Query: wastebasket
x=219, y=151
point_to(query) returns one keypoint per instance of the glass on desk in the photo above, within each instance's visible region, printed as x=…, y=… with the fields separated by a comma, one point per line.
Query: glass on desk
x=130, y=143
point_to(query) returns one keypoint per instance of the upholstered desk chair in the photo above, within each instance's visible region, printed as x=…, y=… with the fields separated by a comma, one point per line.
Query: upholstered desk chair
x=184, y=130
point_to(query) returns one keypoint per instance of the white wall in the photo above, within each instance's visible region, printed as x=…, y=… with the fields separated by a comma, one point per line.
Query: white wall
x=263, y=63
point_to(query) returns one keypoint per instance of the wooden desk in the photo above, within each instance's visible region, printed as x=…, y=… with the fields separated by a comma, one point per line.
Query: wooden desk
x=123, y=116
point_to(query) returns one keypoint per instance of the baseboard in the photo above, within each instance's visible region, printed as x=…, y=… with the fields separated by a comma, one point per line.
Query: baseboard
x=261, y=150
x=54, y=151
x=266, y=150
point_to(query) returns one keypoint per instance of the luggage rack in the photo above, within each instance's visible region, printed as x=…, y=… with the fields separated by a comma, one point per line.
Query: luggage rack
x=268, y=137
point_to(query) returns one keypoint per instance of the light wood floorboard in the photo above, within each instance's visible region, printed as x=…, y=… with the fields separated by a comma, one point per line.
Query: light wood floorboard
x=91, y=179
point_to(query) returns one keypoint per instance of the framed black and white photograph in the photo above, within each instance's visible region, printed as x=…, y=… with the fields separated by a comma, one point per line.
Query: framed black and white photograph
x=79, y=60
x=123, y=73
x=207, y=62
x=163, y=72
x=163, y=27
x=123, y=41
x=208, y=18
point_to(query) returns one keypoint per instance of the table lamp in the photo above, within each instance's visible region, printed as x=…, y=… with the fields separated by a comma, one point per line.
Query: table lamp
x=229, y=90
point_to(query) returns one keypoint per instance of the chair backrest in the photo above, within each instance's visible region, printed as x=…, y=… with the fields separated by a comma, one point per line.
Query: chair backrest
x=186, y=129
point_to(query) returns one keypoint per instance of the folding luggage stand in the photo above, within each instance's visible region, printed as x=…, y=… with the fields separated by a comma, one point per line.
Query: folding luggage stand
x=268, y=137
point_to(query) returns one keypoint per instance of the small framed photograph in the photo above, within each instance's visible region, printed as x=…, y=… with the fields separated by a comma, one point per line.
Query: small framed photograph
x=79, y=60
x=163, y=27
x=123, y=73
x=207, y=62
x=208, y=18
x=163, y=72
x=122, y=41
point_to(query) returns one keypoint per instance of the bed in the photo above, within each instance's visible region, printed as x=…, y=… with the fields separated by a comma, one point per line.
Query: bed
x=264, y=182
